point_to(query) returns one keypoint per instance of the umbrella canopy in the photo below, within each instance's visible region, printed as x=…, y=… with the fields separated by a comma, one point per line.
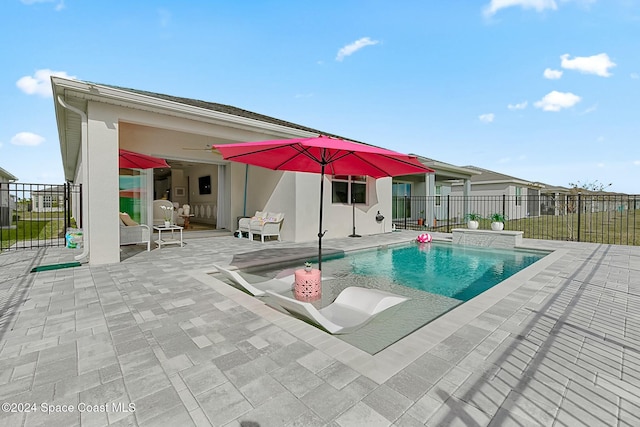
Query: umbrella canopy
x=131, y=160
x=323, y=154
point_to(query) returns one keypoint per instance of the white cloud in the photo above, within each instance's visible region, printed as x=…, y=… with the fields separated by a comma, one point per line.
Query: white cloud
x=59, y=6
x=636, y=162
x=40, y=83
x=552, y=74
x=634, y=76
x=595, y=64
x=590, y=109
x=27, y=138
x=556, y=101
x=539, y=5
x=165, y=17
x=504, y=160
x=303, y=95
x=352, y=48
x=487, y=118
x=520, y=106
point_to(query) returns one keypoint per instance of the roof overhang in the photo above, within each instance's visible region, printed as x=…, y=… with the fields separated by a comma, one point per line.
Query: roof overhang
x=78, y=94
x=446, y=169
x=7, y=175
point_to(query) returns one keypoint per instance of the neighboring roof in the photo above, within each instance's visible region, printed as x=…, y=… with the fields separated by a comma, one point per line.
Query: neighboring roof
x=554, y=188
x=487, y=176
x=447, y=169
x=7, y=175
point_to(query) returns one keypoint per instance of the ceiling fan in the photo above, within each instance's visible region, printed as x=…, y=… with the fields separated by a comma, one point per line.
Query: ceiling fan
x=208, y=147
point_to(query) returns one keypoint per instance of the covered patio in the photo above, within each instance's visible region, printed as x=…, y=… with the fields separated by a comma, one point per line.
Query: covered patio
x=556, y=345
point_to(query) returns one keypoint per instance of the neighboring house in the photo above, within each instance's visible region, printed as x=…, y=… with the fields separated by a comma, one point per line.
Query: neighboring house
x=555, y=200
x=95, y=120
x=49, y=199
x=7, y=202
x=433, y=189
x=522, y=197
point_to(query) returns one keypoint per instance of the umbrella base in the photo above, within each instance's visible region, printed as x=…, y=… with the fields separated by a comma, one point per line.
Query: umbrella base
x=354, y=235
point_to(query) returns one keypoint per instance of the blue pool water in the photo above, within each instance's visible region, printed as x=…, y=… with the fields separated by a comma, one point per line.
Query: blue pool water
x=458, y=272
x=436, y=277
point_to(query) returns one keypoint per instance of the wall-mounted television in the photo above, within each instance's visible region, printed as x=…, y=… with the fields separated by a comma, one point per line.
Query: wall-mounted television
x=204, y=184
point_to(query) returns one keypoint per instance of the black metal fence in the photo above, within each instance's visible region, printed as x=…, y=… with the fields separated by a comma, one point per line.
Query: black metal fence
x=37, y=215
x=596, y=218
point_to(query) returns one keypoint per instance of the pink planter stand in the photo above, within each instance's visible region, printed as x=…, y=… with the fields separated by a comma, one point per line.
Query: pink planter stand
x=308, y=285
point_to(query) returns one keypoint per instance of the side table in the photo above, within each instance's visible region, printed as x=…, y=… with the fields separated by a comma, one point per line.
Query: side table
x=172, y=240
x=187, y=220
x=308, y=285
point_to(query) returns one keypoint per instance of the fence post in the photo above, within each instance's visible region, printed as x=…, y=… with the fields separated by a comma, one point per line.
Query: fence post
x=404, y=210
x=579, y=213
x=448, y=213
x=504, y=205
x=67, y=204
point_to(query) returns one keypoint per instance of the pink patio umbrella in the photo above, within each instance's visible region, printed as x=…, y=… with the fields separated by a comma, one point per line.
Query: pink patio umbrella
x=131, y=160
x=323, y=154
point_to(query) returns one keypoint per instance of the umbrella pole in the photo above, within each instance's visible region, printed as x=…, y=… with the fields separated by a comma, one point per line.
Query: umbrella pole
x=320, y=233
x=353, y=204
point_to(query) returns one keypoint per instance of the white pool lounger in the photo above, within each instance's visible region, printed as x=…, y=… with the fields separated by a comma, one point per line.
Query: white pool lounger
x=258, y=289
x=353, y=308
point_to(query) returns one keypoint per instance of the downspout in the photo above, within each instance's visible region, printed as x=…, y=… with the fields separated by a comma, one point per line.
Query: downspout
x=85, y=175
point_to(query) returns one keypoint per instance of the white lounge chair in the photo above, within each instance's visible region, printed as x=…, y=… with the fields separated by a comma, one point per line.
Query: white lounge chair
x=282, y=284
x=132, y=233
x=352, y=309
x=265, y=224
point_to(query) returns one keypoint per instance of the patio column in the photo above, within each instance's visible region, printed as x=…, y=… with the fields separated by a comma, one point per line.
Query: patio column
x=430, y=215
x=466, y=192
x=102, y=191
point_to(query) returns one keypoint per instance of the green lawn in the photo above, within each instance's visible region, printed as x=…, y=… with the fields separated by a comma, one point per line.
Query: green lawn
x=43, y=229
x=612, y=227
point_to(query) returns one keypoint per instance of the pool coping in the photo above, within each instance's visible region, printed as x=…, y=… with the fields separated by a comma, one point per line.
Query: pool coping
x=396, y=357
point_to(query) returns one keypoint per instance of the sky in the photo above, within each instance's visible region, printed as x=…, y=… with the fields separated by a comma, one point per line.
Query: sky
x=543, y=90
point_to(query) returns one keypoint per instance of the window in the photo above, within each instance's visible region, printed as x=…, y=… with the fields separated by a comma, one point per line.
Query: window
x=401, y=192
x=345, y=189
x=518, y=196
x=47, y=201
x=438, y=195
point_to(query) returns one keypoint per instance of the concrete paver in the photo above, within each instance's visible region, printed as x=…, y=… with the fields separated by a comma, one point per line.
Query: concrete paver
x=557, y=344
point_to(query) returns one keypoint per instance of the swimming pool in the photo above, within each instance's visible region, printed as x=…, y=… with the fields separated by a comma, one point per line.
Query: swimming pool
x=459, y=272
x=436, y=276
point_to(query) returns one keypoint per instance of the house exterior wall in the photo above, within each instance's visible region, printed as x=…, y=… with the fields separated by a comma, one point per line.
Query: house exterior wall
x=182, y=136
x=6, y=208
x=48, y=201
x=493, y=204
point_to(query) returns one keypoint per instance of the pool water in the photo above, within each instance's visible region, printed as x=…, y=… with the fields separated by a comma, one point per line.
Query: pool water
x=459, y=272
x=437, y=277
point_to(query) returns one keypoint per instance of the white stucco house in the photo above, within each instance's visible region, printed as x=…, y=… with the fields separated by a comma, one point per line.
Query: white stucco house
x=7, y=201
x=428, y=192
x=522, y=197
x=48, y=199
x=95, y=120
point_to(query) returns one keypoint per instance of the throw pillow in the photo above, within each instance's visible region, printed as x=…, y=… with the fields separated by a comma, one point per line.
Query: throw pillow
x=126, y=219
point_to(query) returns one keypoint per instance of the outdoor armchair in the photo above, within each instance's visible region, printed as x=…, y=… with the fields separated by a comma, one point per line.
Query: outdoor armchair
x=160, y=213
x=263, y=223
x=132, y=233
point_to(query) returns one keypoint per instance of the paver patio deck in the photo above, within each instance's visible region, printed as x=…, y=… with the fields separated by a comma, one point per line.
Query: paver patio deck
x=154, y=340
